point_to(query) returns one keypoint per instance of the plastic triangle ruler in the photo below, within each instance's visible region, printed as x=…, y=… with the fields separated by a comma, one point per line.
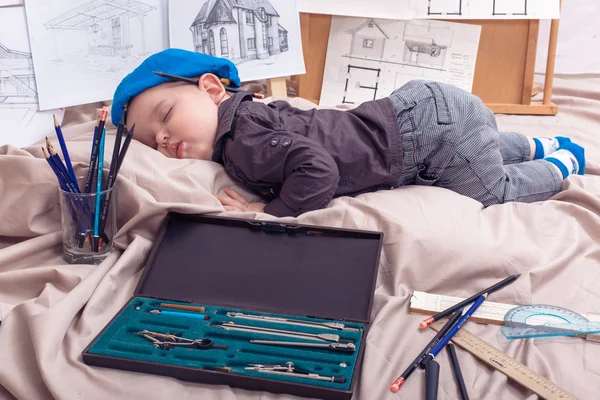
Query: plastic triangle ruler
x=510, y=367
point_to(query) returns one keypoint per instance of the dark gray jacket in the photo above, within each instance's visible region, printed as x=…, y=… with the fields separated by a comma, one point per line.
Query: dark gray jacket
x=300, y=159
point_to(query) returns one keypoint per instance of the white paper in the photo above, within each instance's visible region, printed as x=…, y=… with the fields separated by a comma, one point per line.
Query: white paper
x=262, y=44
x=391, y=9
x=488, y=9
x=10, y=2
x=21, y=123
x=82, y=49
x=368, y=58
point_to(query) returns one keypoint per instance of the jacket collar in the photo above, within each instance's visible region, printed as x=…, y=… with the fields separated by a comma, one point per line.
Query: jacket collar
x=226, y=115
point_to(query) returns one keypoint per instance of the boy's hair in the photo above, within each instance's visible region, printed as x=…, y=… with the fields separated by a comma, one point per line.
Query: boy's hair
x=180, y=62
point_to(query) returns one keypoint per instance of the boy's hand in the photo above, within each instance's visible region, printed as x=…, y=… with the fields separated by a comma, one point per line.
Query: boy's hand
x=233, y=201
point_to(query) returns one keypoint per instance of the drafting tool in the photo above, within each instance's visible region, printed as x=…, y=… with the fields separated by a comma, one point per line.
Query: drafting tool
x=349, y=347
x=325, y=337
x=170, y=341
x=541, y=320
x=290, y=369
x=181, y=314
x=324, y=325
x=183, y=307
x=510, y=367
x=488, y=313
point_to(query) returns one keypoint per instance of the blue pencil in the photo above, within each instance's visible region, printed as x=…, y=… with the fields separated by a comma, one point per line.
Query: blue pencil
x=454, y=329
x=99, y=189
x=63, y=146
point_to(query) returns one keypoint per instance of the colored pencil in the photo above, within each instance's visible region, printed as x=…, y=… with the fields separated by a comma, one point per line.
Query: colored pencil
x=125, y=147
x=112, y=174
x=94, y=156
x=59, y=177
x=61, y=167
x=99, y=190
x=196, y=82
x=425, y=323
x=63, y=147
x=417, y=361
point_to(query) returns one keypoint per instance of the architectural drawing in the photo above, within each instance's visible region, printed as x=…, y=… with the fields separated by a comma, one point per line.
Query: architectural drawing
x=510, y=7
x=368, y=59
x=425, y=45
x=444, y=7
x=240, y=30
x=108, y=35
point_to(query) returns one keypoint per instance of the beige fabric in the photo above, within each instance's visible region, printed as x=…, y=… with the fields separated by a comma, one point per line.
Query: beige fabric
x=435, y=241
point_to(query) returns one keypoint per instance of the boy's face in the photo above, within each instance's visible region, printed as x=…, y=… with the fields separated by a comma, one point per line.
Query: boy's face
x=178, y=119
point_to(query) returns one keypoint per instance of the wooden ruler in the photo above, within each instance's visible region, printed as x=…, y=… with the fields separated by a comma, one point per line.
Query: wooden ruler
x=488, y=313
x=510, y=367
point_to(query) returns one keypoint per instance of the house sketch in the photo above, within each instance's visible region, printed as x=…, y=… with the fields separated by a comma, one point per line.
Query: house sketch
x=17, y=78
x=426, y=45
x=510, y=7
x=104, y=35
x=368, y=40
x=239, y=30
x=362, y=74
x=444, y=7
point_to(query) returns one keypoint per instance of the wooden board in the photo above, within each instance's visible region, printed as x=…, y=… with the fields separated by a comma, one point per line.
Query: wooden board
x=504, y=70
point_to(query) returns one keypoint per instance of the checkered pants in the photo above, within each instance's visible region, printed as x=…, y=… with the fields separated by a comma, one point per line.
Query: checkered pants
x=450, y=139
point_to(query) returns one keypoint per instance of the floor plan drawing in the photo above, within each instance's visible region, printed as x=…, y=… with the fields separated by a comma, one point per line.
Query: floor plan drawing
x=260, y=36
x=91, y=45
x=368, y=58
x=510, y=7
x=444, y=7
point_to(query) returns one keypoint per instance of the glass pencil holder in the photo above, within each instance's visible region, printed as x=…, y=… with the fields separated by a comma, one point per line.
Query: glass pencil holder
x=89, y=225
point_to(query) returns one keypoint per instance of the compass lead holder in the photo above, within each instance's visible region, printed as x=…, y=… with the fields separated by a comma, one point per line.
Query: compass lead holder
x=541, y=320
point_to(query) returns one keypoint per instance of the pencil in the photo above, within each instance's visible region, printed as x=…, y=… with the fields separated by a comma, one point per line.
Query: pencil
x=417, y=361
x=125, y=148
x=94, y=155
x=63, y=147
x=61, y=168
x=112, y=176
x=457, y=372
x=425, y=323
x=448, y=336
x=59, y=177
x=196, y=82
x=99, y=190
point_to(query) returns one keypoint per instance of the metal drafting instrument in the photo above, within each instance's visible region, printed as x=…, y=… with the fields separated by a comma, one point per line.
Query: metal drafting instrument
x=540, y=320
x=324, y=325
x=290, y=370
x=181, y=314
x=170, y=341
x=347, y=347
x=510, y=367
x=325, y=337
x=183, y=307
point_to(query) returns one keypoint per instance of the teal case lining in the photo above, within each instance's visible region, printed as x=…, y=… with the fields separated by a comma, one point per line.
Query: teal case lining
x=120, y=340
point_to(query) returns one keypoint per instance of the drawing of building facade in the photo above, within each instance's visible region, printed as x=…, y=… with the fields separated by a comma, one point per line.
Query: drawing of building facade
x=444, y=7
x=112, y=28
x=17, y=77
x=240, y=30
x=425, y=45
x=368, y=40
x=510, y=7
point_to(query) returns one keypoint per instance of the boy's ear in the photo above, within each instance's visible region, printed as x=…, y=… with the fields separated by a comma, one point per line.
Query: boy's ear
x=213, y=86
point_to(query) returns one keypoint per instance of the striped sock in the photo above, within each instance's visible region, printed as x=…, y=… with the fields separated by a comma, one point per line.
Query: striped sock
x=569, y=158
x=544, y=146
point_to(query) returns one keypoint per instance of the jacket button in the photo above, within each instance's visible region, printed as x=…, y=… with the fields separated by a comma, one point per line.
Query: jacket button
x=274, y=142
x=286, y=143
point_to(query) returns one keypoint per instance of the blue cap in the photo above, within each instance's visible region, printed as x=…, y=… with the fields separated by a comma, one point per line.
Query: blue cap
x=180, y=62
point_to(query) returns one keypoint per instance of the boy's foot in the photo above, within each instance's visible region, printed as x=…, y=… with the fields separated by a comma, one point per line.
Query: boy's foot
x=569, y=158
x=544, y=146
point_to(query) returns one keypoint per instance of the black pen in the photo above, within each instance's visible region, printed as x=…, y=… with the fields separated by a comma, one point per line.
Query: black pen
x=457, y=373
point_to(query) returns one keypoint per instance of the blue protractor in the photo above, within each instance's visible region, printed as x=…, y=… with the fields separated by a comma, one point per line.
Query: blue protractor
x=540, y=320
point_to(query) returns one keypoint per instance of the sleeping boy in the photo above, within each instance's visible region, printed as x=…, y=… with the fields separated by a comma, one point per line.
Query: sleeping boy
x=424, y=133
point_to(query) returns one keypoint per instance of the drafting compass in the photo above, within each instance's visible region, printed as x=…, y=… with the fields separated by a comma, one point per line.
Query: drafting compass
x=540, y=320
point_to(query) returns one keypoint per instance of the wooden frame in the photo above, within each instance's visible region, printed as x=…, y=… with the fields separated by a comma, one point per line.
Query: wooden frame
x=504, y=72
